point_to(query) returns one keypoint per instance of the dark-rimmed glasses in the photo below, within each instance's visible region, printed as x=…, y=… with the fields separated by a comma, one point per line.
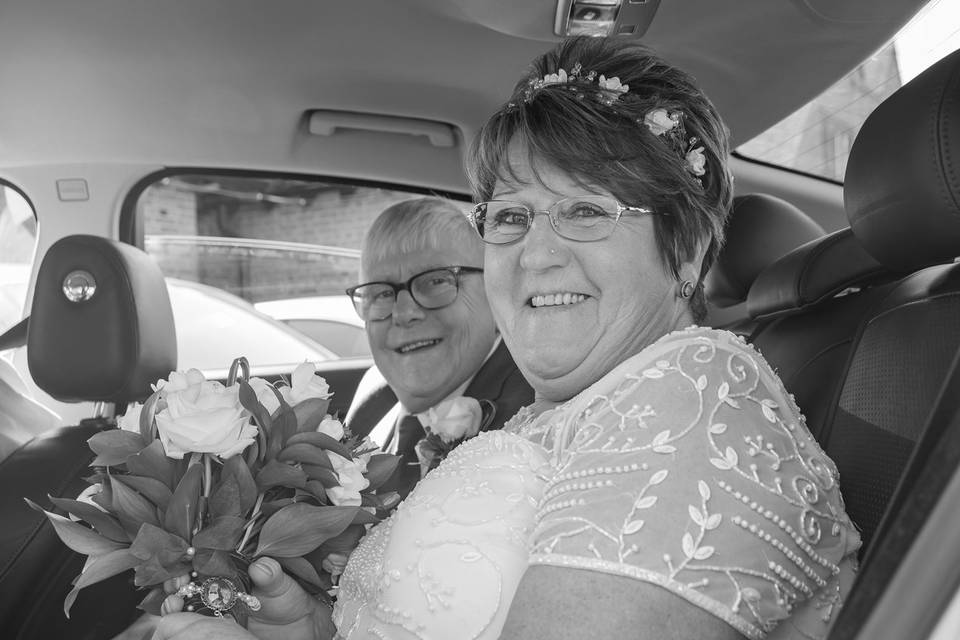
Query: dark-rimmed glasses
x=580, y=218
x=432, y=289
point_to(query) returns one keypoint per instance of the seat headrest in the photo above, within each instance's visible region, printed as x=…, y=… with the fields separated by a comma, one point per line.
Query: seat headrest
x=815, y=271
x=902, y=184
x=761, y=228
x=101, y=326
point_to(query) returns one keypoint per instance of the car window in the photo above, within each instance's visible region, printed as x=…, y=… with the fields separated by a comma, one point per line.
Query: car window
x=817, y=138
x=260, y=263
x=18, y=242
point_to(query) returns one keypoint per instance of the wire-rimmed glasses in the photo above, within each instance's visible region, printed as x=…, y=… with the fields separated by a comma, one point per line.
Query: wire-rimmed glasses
x=431, y=289
x=581, y=218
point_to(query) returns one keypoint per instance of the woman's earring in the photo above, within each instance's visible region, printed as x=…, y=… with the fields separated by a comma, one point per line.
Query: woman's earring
x=686, y=289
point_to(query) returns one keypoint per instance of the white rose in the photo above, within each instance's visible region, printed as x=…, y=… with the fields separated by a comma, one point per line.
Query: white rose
x=130, y=421
x=203, y=417
x=697, y=161
x=265, y=394
x=659, y=121
x=305, y=384
x=332, y=427
x=454, y=418
x=352, y=481
x=179, y=380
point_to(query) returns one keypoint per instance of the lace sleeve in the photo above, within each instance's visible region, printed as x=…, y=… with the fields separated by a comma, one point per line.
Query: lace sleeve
x=692, y=469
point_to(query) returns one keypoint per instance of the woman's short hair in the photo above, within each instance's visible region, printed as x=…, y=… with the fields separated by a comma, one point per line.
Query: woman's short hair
x=605, y=143
x=421, y=223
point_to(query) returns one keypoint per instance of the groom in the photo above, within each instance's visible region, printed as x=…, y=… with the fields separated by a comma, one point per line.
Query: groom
x=430, y=330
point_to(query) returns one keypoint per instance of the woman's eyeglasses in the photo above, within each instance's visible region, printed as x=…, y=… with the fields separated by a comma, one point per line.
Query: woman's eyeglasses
x=581, y=218
x=433, y=289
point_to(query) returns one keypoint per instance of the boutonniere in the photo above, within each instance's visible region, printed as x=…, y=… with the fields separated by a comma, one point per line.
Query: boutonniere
x=449, y=424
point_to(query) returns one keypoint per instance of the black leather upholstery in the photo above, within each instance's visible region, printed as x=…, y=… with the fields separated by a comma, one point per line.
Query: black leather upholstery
x=109, y=348
x=122, y=338
x=812, y=273
x=761, y=229
x=902, y=182
x=859, y=331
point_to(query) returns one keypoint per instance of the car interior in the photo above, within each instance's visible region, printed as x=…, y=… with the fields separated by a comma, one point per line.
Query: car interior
x=244, y=146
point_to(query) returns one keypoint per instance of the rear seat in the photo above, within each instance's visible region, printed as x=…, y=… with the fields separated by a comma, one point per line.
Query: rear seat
x=761, y=229
x=862, y=325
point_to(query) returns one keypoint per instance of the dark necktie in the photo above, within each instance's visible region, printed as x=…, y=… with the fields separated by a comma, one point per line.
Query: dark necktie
x=409, y=433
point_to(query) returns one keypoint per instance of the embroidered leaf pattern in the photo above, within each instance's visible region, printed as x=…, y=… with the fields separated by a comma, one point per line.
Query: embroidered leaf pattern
x=718, y=429
x=658, y=477
x=633, y=527
x=695, y=515
x=646, y=503
x=652, y=373
x=703, y=552
x=687, y=545
x=704, y=490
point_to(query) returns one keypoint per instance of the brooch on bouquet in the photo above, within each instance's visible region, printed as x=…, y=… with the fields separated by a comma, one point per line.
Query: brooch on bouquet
x=449, y=424
x=205, y=477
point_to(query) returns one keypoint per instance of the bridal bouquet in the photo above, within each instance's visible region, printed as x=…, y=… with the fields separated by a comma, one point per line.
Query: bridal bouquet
x=205, y=477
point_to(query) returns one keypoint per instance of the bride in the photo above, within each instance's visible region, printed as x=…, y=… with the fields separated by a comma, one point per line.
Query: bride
x=663, y=484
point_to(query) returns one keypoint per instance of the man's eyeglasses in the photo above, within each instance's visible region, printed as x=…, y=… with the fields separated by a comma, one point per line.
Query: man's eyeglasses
x=581, y=218
x=433, y=289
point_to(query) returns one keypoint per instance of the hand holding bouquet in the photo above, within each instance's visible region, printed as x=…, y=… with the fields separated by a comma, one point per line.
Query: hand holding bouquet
x=206, y=477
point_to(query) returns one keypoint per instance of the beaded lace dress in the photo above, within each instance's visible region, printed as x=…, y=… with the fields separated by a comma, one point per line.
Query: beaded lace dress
x=688, y=466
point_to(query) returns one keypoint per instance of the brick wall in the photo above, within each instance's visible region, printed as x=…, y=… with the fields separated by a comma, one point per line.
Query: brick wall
x=337, y=217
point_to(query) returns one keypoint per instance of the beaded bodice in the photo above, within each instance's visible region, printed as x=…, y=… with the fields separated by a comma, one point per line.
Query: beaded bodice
x=688, y=467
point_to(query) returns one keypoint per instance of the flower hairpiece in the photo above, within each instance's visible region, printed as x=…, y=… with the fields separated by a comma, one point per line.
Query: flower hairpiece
x=668, y=126
x=610, y=89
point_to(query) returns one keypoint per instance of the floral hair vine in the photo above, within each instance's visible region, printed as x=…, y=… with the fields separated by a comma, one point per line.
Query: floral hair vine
x=666, y=125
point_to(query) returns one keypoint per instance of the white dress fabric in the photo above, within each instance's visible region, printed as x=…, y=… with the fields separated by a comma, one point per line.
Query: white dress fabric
x=688, y=467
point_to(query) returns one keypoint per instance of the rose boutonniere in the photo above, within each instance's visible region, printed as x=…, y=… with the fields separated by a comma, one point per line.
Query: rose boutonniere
x=448, y=424
x=205, y=477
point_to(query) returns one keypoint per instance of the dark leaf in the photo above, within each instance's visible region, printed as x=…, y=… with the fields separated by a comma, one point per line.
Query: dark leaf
x=365, y=517
x=317, y=490
x=153, y=572
x=322, y=440
x=181, y=514
x=310, y=413
x=225, y=499
x=148, y=429
x=251, y=455
x=379, y=469
x=131, y=506
x=302, y=569
x=105, y=524
x=223, y=533
x=213, y=562
x=154, y=542
x=78, y=537
x=248, y=399
x=152, y=489
x=327, y=477
x=271, y=507
x=235, y=467
x=299, y=528
x=114, y=447
x=98, y=569
x=154, y=600
x=344, y=543
x=152, y=462
x=305, y=452
x=278, y=474
x=284, y=426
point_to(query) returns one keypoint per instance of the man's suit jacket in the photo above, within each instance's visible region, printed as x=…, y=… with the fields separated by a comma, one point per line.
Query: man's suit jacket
x=498, y=380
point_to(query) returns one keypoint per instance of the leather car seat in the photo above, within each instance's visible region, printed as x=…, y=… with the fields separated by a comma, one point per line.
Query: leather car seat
x=864, y=324
x=100, y=330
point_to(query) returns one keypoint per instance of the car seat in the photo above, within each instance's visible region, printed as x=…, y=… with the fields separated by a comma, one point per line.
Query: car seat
x=100, y=330
x=761, y=228
x=863, y=325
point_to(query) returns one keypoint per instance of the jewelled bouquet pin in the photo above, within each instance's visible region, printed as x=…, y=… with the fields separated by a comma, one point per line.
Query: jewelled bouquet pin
x=204, y=478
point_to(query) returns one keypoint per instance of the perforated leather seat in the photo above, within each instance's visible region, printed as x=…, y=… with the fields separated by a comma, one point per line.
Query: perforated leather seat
x=859, y=324
x=105, y=347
